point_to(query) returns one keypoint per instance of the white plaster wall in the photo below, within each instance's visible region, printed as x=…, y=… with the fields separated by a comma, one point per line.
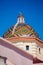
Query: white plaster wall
x=19, y=45
x=40, y=55
x=32, y=47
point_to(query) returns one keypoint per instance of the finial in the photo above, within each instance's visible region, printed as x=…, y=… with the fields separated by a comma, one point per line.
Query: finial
x=20, y=14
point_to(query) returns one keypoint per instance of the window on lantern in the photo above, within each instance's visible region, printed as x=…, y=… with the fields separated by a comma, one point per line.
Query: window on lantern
x=27, y=47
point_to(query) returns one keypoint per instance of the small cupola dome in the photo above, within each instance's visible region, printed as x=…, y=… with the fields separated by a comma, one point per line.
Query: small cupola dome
x=20, y=18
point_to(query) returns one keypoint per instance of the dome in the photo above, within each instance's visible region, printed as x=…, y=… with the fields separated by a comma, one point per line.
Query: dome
x=20, y=29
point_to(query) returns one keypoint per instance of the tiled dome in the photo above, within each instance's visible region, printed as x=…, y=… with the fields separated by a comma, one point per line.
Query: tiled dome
x=21, y=30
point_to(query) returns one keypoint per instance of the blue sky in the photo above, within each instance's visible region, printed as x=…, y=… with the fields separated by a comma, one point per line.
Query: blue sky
x=31, y=9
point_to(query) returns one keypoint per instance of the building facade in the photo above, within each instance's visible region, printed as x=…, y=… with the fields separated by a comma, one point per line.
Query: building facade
x=22, y=43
